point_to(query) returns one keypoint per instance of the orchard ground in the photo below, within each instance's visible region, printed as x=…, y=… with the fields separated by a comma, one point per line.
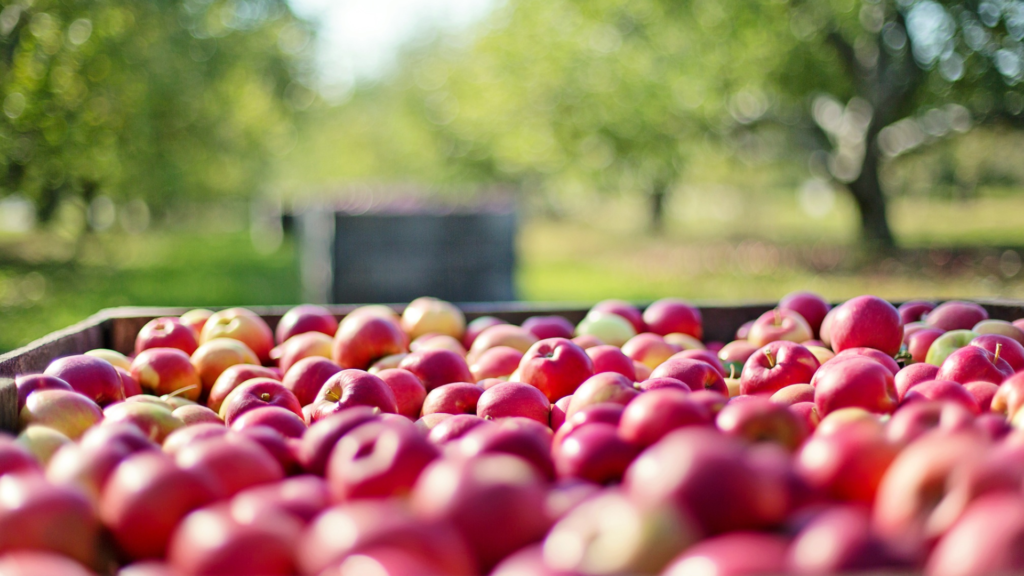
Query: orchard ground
x=753, y=250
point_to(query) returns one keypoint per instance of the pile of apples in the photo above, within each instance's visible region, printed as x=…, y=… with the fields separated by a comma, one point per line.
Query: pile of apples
x=821, y=441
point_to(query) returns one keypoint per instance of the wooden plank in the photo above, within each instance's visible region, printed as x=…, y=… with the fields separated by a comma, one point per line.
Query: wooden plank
x=86, y=335
x=8, y=406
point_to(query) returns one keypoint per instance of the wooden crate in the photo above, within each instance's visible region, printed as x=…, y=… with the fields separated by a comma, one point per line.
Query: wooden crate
x=116, y=328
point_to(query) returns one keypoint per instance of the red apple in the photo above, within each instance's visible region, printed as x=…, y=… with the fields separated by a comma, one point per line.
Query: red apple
x=610, y=387
x=696, y=374
x=510, y=399
x=30, y=383
x=736, y=554
x=300, y=497
x=915, y=419
x=809, y=305
x=775, y=366
x=866, y=322
x=497, y=362
x=408, y=390
x=122, y=434
x=85, y=468
x=430, y=421
x=603, y=413
x=154, y=420
x=474, y=328
x=437, y=342
x=315, y=447
x=855, y=381
x=808, y=414
x=711, y=400
x=705, y=356
x=363, y=339
x=912, y=375
x=257, y=393
x=595, y=453
x=760, y=420
x=944, y=391
x=983, y=393
x=162, y=371
x=234, y=463
x=454, y=398
x=520, y=437
x=611, y=359
x=231, y=378
x=779, y=324
x=454, y=428
x=34, y=563
x=735, y=354
x=166, y=333
x=793, y=394
x=544, y=327
x=377, y=460
x=196, y=414
x=972, y=364
x=66, y=411
x=146, y=497
x=501, y=335
x=428, y=315
x=876, y=355
x=956, y=315
x=306, y=377
x=91, y=376
x=309, y=344
x=214, y=357
x=847, y=464
x=1008, y=348
x=350, y=388
x=985, y=540
x=670, y=315
x=840, y=540
x=437, y=367
x=242, y=325
x=263, y=548
x=556, y=367
x=921, y=341
x=662, y=382
x=306, y=318
x=914, y=310
x=36, y=515
x=557, y=416
x=282, y=420
x=188, y=435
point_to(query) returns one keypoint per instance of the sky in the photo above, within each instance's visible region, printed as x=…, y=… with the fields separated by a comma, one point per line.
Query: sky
x=359, y=39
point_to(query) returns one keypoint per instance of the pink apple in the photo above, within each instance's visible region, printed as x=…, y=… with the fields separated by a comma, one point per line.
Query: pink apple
x=36, y=515
x=166, y=333
x=808, y=414
x=670, y=315
x=556, y=367
x=915, y=419
x=611, y=359
x=474, y=328
x=586, y=341
x=501, y=335
x=603, y=413
x=626, y=310
x=983, y=393
x=437, y=367
x=557, y=416
x=521, y=437
x=1010, y=397
x=1008, y=348
x=497, y=362
x=154, y=420
x=811, y=306
x=921, y=341
x=649, y=349
x=377, y=460
x=793, y=394
x=866, y=322
x=95, y=378
x=595, y=453
x=857, y=382
x=775, y=366
x=735, y=554
x=85, y=468
x=122, y=434
x=232, y=463
x=840, y=540
x=973, y=363
x=305, y=378
x=257, y=393
x=363, y=339
x=162, y=371
x=408, y=390
x=661, y=382
x=956, y=315
x=609, y=387
x=544, y=327
x=705, y=356
x=316, y=444
x=876, y=355
x=242, y=325
x=511, y=399
x=914, y=310
x=847, y=464
x=282, y=420
x=942, y=390
x=300, y=497
x=437, y=342
x=454, y=398
x=183, y=437
x=350, y=388
x=696, y=374
x=779, y=324
x=985, y=540
x=711, y=400
x=306, y=318
x=240, y=547
x=735, y=354
x=759, y=419
x=30, y=383
x=457, y=426
x=654, y=414
x=196, y=414
x=912, y=375
x=308, y=344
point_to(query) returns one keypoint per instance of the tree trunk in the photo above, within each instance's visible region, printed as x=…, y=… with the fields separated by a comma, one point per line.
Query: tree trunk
x=657, y=199
x=867, y=193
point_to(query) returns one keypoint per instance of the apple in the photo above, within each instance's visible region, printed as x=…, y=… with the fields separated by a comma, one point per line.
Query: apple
x=15, y=458
x=744, y=330
x=948, y=343
x=808, y=414
x=759, y=419
x=854, y=381
x=983, y=393
x=623, y=309
x=847, y=463
x=122, y=434
x=661, y=382
x=973, y=363
x=214, y=357
x=302, y=498
x=257, y=393
x=85, y=468
x=956, y=315
x=556, y=367
x=501, y=335
x=166, y=371
x=840, y=540
x=428, y=315
x=993, y=425
x=303, y=319
x=36, y=515
x=496, y=503
x=116, y=359
x=363, y=339
x=610, y=387
x=544, y=327
x=145, y=498
x=66, y=411
x=603, y=412
x=670, y=315
x=1008, y=348
x=735, y=354
x=437, y=342
x=779, y=324
x=231, y=378
x=350, y=388
x=35, y=562
x=866, y=322
x=885, y=360
x=920, y=343
x=1001, y=327
x=696, y=374
x=711, y=400
x=642, y=371
x=196, y=414
x=915, y=310
x=316, y=444
x=437, y=367
x=607, y=327
x=281, y=420
x=945, y=391
x=654, y=414
x=1010, y=397
x=183, y=437
x=233, y=463
x=408, y=390
x=912, y=375
x=478, y=325
x=793, y=394
x=377, y=460
x=594, y=453
x=308, y=344
x=30, y=383
x=454, y=427
x=166, y=333
x=839, y=419
x=242, y=325
x=196, y=319
x=427, y=423
x=912, y=327
x=587, y=341
x=42, y=442
x=809, y=305
x=263, y=547
x=497, y=362
x=736, y=554
x=95, y=378
x=454, y=398
x=775, y=366
x=387, y=363
x=705, y=356
x=304, y=379
x=154, y=420
x=557, y=416
x=985, y=540
x=649, y=349
x=915, y=419
x=521, y=437
x=511, y=399
x=611, y=359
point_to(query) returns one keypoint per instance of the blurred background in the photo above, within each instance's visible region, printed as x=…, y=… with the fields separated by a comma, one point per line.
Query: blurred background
x=247, y=152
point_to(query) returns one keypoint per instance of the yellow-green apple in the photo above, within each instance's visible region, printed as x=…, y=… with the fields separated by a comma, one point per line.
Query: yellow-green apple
x=316, y=444
x=912, y=375
x=920, y=342
x=548, y=327
x=841, y=540
x=246, y=545
x=607, y=327
x=758, y=419
x=154, y=420
x=36, y=515
x=497, y=362
x=948, y=343
x=556, y=367
x=476, y=327
x=624, y=309
x=242, y=325
x=709, y=475
x=779, y=324
x=116, y=359
x=235, y=375
x=301, y=346
x=451, y=429
x=281, y=420
x=1008, y=348
x=233, y=463
x=363, y=339
x=257, y=393
x=775, y=366
x=847, y=463
x=915, y=310
x=66, y=411
x=350, y=388
x=495, y=502
x=696, y=374
x=452, y=398
x=686, y=342
x=956, y=315
x=437, y=342
x=95, y=378
x=809, y=305
x=854, y=382
x=735, y=354
x=1001, y=327
x=196, y=319
x=522, y=437
x=386, y=363
x=29, y=383
x=377, y=460
x=612, y=534
x=821, y=353
x=166, y=333
x=428, y=315
x=649, y=349
x=600, y=388
x=866, y=322
x=983, y=393
x=736, y=554
x=652, y=415
x=214, y=357
x=437, y=367
x=670, y=315
x=915, y=419
x=586, y=341
x=942, y=391
x=557, y=417
x=408, y=390
x=595, y=453
x=42, y=442
x=792, y=394
x=165, y=371
x=985, y=540
x=973, y=363
x=510, y=399
x=609, y=358
x=305, y=318
x=196, y=414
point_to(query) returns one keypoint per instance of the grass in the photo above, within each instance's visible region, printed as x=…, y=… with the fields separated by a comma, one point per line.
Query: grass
x=758, y=249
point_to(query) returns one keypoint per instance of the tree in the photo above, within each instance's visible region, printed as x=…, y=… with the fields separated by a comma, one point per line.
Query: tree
x=160, y=101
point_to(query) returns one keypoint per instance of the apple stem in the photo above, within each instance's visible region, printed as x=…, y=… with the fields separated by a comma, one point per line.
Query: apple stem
x=332, y=396
x=180, y=391
x=265, y=397
x=732, y=371
x=999, y=346
x=778, y=318
x=771, y=358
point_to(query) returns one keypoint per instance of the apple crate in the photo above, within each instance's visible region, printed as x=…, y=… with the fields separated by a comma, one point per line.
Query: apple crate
x=116, y=328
